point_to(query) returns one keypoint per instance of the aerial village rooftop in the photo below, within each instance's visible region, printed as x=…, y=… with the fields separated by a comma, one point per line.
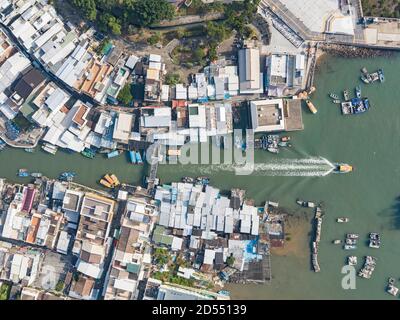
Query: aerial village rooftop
x=183, y=240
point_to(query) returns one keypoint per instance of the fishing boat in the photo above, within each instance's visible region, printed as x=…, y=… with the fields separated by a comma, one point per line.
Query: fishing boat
x=342, y=168
x=285, y=138
x=346, y=95
x=358, y=92
x=284, y=144
x=105, y=183
x=132, y=157
x=381, y=75
x=88, y=153
x=36, y=174
x=337, y=241
x=29, y=150
x=355, y=106
x=352, y=236
x=374, y=240
x=113, y=154
x=203, y=180
x=138, y=158
x=68, y=176
x=350, y=247
x=336, y=101
x=108, y=179
x=333, y=96
x=352, y=260
x=364, y=70
x=391, y=288
x=49, y=148
x=342, y=220
x=115, y=180
x=23, y=173
x=311, y=106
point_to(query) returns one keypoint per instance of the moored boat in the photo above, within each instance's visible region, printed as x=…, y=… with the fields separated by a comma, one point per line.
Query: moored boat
x=49, y=148
x=352, y=260
x=132, y=157
x=115, y=180
x=105, y=183
x=364, y=79
x=2, y=145
x=138, y=157
x=29, y=150
x=68, y=176
x=352, y=236
x=358, y=92
x=88, y=153
x=346, y=95
x=381, y=75
x=336, y=101
x=113, y=154
x=337, y=241
x=23, y=173
x=108, y=179
x=311, y=106
x=36, y=174
x=333, y=96
x=342, y=220
x=350, y=247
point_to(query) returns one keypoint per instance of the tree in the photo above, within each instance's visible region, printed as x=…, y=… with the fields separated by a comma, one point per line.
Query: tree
x=88, y=7
x=60, y=286
x=148, y=12
x=230, y=261
x=172, y=79
x=125, y=95
x=154, y=38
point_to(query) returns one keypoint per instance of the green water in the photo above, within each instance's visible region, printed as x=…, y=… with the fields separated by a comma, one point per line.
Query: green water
x=370, y=142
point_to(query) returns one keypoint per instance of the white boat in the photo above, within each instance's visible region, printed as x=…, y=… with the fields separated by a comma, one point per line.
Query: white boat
x=342, y=220
x=52, y=149
x=352, y=236
x=352, y=260
x=350, y=247
x=351, y=241
x=337, y=241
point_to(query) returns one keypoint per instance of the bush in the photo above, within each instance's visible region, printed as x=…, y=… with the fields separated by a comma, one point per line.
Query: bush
x=125, y=95
x=172, y=79
x=60, y=286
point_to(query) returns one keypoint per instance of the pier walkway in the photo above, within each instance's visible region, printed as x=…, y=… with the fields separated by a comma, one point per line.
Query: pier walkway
x=152, y=179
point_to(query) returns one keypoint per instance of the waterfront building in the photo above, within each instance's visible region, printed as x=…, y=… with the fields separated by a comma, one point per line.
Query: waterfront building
x=250, y=75
x=123, y=127
x=267, y=115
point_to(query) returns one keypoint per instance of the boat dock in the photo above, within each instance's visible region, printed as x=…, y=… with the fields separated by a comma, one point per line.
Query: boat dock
x=318, y=219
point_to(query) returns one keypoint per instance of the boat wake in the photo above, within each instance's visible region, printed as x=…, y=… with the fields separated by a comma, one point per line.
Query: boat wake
x=311, y=167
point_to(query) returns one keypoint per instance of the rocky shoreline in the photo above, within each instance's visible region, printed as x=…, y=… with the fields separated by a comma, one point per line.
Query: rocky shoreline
x=355, y=52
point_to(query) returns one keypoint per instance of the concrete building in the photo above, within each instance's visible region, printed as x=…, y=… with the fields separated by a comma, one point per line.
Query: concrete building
x=267, y=115
x=250, y=76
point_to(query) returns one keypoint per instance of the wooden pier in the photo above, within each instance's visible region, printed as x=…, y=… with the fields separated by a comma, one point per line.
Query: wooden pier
x=315, y=243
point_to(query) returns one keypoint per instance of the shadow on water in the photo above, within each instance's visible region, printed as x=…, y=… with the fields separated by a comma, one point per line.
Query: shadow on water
x=396, y=214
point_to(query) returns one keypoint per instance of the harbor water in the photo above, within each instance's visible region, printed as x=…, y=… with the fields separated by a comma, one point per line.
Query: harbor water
x=368, y=196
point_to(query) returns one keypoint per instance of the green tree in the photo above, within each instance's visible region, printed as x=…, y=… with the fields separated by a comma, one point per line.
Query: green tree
x=60, y=286
x=88, y=7
x=172, y=79
x=125, y=95
x=148, y=12
x=154, y=38
x=230, y=261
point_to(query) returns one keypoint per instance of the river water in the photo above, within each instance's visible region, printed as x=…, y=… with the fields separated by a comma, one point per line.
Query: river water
x=368, y=196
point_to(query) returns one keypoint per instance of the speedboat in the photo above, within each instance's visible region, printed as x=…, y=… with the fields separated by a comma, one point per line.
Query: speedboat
x=306, y=204
x=337, y=241
x=351, y=241
x=350, y=247
x=333, y=96
x=23, y=173
x=346, y=95
x=364, y=79
x=336, y=101
x=36, y=175
x=342, y=220
x=342, y=168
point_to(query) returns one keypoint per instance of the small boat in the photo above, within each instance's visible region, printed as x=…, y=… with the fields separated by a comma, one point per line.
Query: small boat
x=284, y=144
x=381, y=75
x=105, y=183
x=67, y=176
x=113, y=154
x=273, y=149
x=285, y=138
x=132, y=156
x=36, y=175
x=203, y=180
x=115, y=180
x=352, y=260
x=333, y=96
x=352, y=236
x=364, y=79
x=346, y=95
x=88, y=153
x=351, y=241
x=342, y=220
x=364, y=70
x=138, y=158
x=306, y=204
x=108, y=179
x=374, y=240
x=358, y=92
x=342, y=168
x=391, y=289
x=23, y=173
x=29, y=150
x=391, y=280
x=337, y=241
x=350, y=247
x=49, y=148
x=187, y=180
x=336, y=101
x=311, y=106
